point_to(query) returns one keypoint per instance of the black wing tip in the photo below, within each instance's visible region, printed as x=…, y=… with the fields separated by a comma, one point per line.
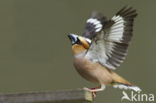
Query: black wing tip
x=127, y=12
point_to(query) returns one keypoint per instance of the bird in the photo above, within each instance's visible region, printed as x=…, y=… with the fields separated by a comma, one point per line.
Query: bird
x=102, y=47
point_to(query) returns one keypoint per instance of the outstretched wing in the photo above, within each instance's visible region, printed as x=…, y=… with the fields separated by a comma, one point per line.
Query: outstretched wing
x=94, y=25
x=109, y=46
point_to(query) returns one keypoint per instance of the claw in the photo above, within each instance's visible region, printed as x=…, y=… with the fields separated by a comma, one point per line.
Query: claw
x=93, y=93
x=91, y=90
x=96, y=89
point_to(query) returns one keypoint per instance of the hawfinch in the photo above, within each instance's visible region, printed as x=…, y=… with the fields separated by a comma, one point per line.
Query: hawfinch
x=103, y=47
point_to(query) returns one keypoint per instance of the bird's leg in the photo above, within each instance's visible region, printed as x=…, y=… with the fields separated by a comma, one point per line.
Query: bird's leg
x=94, y=93
x=96, y=89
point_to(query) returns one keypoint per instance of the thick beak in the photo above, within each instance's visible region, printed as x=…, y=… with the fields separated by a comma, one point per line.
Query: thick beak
x=73, y=38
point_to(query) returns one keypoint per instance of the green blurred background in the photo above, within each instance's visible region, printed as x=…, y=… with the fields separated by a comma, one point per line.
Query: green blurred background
x=35, y=53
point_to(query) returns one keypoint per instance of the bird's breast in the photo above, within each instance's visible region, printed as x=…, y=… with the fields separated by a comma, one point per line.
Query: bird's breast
x=92, y=71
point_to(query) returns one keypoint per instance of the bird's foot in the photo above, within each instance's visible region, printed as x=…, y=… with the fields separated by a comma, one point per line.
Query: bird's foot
x=91, y=90
x=93, y=93
x=96, y=89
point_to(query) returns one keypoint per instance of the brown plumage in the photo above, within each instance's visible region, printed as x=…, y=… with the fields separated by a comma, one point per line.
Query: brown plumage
x=103, y=47
x=93, y=71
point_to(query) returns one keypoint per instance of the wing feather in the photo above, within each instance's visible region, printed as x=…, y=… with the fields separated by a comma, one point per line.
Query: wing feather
x=110, y=45
x=94, y=25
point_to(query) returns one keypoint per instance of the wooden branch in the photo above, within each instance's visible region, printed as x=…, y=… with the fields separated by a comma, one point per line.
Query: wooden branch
x=64, y=96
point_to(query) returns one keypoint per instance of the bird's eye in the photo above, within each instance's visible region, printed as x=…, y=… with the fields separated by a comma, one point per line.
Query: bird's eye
x=78, y=41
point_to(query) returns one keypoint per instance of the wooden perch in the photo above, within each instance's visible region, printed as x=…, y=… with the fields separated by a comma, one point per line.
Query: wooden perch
x=64, y=96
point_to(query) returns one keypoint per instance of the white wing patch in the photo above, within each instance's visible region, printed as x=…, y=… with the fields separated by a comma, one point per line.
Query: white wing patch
x=109, y=46
x=104, y=45
x=98, y=52
x=117, y=29
x=97, y=23
x=88, y=40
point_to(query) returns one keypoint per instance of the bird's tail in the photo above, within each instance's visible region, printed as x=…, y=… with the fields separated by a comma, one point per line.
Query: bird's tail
x=119, y=82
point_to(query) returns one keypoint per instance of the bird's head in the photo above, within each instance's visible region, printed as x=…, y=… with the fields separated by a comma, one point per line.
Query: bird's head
x=79, y=44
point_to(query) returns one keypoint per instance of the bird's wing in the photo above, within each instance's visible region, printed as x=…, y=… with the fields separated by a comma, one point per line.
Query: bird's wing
x=109, y=46
x=94, y=25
